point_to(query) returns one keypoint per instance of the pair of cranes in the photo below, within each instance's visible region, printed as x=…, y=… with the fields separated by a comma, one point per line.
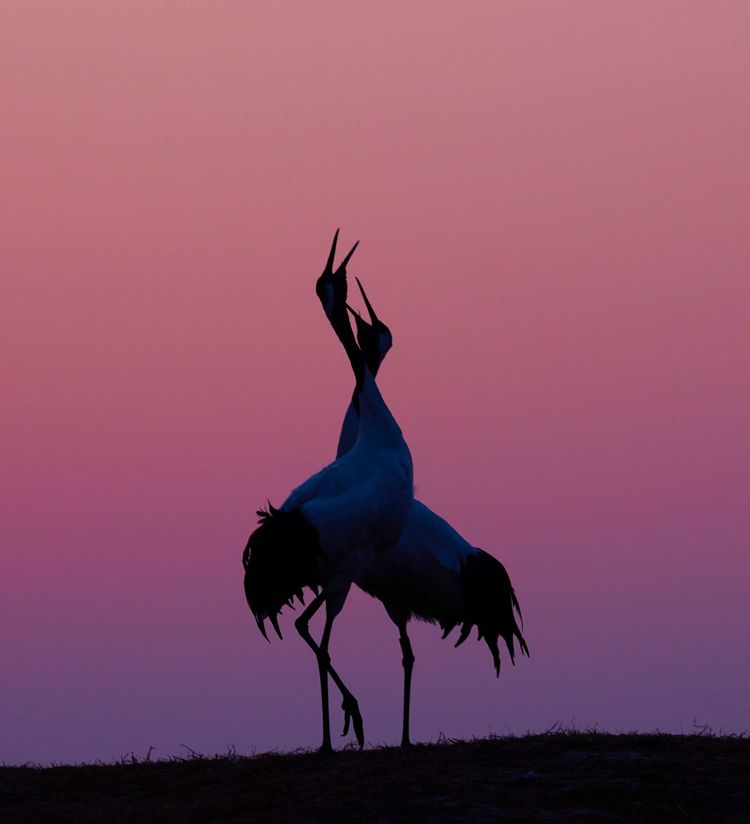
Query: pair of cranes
x=357, y=522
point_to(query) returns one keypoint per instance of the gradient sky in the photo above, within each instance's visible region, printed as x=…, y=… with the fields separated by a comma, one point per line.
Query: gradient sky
x=553, y=204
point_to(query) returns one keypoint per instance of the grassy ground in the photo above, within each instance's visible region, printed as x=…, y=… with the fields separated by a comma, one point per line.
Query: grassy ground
x=554, y=777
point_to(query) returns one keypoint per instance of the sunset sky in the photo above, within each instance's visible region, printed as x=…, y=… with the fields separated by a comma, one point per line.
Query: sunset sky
x=553, y=203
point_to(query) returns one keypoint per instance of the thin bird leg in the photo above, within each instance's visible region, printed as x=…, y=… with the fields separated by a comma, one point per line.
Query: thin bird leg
x=408, y=663
x=324, y=662
x=349, y=705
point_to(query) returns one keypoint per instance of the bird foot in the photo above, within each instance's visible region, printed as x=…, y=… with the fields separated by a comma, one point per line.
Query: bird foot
x=353, y=716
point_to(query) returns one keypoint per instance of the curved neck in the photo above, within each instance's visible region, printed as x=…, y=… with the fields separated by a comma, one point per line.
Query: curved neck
x=351, y=422
x=339, y=320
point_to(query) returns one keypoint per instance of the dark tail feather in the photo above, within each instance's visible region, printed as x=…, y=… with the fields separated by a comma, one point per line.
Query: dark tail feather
x=465, y=630
x=448, y=627
x=516, y=605
x=490, y=604
x=508, y=638
x=523, y=645
x=280, y=560
x=492, y=644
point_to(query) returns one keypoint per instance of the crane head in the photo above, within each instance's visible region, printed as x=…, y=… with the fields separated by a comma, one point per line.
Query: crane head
x=331, y=285
x=374, y=338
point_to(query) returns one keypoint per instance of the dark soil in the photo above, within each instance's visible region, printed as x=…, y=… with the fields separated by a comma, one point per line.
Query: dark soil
x=555, y=777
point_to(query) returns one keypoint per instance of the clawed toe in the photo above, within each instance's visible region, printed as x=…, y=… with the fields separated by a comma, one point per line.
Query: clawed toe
x=353, y=716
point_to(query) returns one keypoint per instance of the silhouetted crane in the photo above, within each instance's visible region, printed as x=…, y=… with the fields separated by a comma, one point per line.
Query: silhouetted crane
x=328, y=526
x=431, y=573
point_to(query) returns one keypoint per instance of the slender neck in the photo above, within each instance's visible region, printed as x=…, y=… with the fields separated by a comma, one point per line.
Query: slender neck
x=373, y=365
x=341, y=326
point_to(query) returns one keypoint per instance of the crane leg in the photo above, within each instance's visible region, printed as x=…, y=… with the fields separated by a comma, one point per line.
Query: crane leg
x=349, y=704
x=408, y=663
x=324, y=662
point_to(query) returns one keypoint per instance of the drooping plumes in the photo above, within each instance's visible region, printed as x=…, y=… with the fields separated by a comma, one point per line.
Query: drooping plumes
x=433, y=574
x=280, y=559
x=489, y=603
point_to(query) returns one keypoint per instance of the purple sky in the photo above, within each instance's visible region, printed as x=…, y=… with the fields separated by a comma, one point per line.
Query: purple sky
x=553, y=205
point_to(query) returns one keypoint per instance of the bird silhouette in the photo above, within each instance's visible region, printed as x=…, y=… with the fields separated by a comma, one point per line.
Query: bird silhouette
x=431, y=572
x=328, y=525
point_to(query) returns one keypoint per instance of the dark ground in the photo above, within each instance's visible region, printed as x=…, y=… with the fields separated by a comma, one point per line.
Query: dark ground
x=554, y=777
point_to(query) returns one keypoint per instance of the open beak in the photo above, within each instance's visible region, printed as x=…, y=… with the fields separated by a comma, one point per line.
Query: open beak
x=373, y=316
x=332, y=254
x=343, y=263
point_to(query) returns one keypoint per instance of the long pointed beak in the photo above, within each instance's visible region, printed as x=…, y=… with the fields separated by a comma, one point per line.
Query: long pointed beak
x=332, y=253
x=348, y=257
x=354, y=312
x=373, y=316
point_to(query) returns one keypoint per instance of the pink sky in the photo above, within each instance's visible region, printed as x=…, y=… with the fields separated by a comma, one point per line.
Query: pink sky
x=552, y=201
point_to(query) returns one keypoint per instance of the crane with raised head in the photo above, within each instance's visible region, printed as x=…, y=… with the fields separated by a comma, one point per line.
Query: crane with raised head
x=324, y=532
x=431, y=572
